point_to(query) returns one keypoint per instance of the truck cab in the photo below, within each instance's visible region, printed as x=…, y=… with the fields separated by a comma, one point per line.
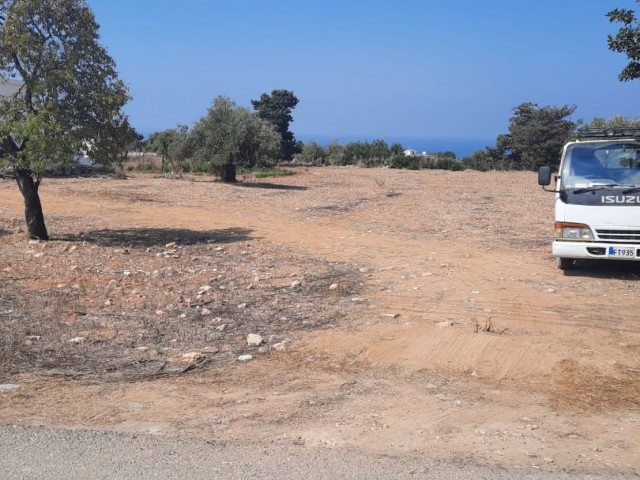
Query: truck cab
x=597, y=197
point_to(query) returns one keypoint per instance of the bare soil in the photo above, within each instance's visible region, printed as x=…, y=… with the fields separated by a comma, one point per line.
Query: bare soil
x=403, y=313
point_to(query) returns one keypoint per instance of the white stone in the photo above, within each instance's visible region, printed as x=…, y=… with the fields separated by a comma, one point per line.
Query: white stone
x=254, y=340
x=245, y=358
x=192, y=357
x=333, y=286
x=296, y=283
x=7, y=387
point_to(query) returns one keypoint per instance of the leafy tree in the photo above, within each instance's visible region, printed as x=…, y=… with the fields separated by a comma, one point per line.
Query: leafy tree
x=70, y=101
x=370, y=154
x=617, y=121
x=312, y=153
x=229, y=136
x=396, y=149
x=626, y=41
x=276, y=109
x=536, y=136
x=170, y=144
x=335, y=153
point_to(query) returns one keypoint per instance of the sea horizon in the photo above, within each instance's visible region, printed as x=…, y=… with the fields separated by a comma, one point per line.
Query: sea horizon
x=462, y=147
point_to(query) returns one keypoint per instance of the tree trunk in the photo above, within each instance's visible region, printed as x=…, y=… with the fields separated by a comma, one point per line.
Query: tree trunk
x=228, y=173
x=32, y=206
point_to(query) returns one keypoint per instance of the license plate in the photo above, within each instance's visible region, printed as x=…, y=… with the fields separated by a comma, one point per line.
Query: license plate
x=617, y=252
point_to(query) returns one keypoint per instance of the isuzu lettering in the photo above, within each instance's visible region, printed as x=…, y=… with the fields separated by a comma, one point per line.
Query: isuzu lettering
x=597, y=197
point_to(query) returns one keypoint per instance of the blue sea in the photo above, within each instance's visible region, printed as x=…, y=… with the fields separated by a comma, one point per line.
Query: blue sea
x=462, y=147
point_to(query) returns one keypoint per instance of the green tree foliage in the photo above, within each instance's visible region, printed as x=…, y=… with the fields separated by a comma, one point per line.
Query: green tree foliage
x=626, y=41
x=229, y=136
x=276, y=109
x=431, y=161
x=536, y=137
x=170, y=144
x=312, y=153
x=71, y=97
x=617, y=121
x=370, y=154
x=335, y=153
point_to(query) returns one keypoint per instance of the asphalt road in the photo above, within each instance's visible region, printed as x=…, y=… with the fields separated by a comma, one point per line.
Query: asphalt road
x=46, y=453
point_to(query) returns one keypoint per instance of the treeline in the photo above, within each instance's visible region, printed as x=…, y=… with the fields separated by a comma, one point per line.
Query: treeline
x=230, y=137
x=375, y=154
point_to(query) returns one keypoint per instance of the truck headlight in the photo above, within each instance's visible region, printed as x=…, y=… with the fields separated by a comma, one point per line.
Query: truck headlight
x=573, y=231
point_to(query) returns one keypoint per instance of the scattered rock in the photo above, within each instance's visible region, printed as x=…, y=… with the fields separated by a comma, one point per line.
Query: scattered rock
x=254, y=340
x=205, y=311
x=192, y=357
x=170, y=245
x=446, y=323
x=245, y=358
x=391, y=315
x=333, y=286
x=77, y=340
x=550, y=290
x=242, y=306
x=279, y=347
x=357, y=300
x=296, y=283
x=7, y=387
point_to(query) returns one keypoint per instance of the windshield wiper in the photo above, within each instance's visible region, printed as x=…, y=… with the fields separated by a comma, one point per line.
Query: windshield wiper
x=593, y=188
x=633, y=189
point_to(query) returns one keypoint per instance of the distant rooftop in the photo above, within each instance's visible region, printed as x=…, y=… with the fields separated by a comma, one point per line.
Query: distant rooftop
x=9, y=87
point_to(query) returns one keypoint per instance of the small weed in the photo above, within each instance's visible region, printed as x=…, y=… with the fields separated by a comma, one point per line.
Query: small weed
x=488, y=326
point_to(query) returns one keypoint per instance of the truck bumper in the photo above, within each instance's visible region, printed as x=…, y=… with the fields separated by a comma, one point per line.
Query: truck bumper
x=596, y=250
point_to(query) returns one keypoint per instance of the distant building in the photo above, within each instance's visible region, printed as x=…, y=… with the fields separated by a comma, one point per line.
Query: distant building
x=409, y=152
x=9, y=87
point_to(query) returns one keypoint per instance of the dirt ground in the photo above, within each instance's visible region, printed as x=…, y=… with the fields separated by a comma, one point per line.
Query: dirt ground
x=402, y=313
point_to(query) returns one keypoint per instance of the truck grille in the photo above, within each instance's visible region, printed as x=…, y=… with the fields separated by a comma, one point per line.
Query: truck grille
x=628, y=236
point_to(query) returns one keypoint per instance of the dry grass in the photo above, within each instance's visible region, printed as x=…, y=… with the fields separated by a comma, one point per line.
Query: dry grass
x=130, y=303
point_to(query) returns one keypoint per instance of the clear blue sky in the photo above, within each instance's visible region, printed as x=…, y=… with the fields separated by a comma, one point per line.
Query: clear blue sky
x=429, y=68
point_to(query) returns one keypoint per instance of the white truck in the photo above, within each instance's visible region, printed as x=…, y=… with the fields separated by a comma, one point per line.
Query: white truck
x=597, y=197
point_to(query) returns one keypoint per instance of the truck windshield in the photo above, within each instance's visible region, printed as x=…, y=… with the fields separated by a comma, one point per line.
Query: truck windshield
x=611, y=164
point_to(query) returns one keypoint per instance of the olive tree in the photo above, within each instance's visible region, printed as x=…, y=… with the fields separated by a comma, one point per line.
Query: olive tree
x=70, y=99
x=229, y=136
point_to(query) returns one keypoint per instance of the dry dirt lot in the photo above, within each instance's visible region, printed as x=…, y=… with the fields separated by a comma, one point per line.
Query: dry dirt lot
x=402, y=313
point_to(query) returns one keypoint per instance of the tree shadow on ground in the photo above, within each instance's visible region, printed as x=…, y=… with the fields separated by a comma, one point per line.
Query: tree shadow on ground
x=154, y=237
x=270, y=186
x=618, y=269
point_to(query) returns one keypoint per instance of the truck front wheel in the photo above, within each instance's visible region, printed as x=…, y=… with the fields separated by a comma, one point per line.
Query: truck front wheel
x=565, y=263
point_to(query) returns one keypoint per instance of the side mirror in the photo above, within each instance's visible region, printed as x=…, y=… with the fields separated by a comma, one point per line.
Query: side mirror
x=544, y=176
